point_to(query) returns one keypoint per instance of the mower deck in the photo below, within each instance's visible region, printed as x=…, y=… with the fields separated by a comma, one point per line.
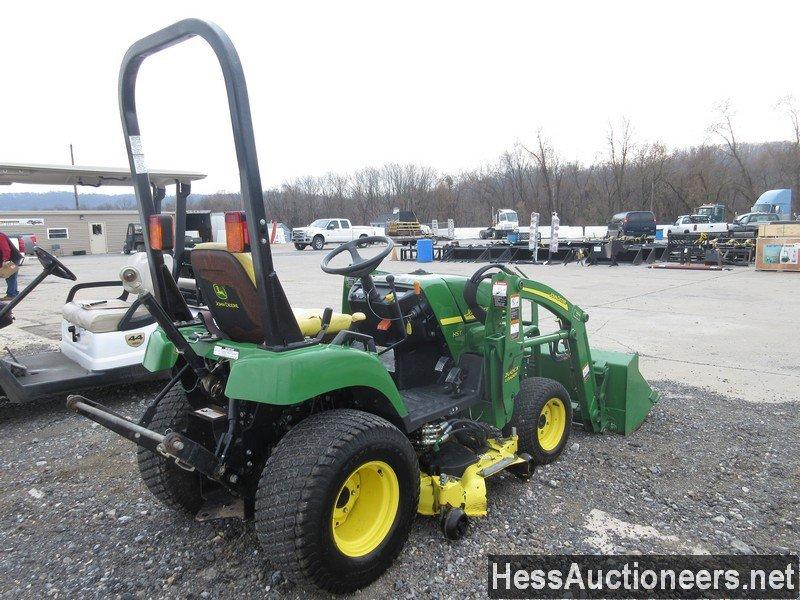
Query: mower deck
x=53, y=373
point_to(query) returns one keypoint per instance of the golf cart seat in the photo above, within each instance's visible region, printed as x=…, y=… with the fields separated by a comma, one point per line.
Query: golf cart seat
x=105, y=315
x=227, y=281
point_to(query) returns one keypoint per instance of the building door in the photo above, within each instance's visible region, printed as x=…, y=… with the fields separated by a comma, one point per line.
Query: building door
x=97, y=238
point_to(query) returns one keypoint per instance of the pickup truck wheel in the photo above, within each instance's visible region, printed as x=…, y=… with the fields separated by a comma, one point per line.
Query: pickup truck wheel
x=337, y=499
x=318, y=243
x=173, y=486
x=365, y=244
x=139, y=248
x=543, y=418
x=126, y=249
x=299, y=246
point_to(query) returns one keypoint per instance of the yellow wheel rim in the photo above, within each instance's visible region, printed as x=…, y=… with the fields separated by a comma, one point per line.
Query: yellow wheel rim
x=365, y=508
x=552, y=424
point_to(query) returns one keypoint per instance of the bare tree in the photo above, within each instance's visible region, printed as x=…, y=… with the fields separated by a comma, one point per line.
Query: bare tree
x=723, y=128
x=619, y=146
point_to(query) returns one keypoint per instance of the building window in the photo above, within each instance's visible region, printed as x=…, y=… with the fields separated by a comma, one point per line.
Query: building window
x=57, y=233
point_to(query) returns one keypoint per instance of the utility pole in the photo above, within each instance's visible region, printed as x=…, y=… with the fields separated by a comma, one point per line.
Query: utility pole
x=74, y=187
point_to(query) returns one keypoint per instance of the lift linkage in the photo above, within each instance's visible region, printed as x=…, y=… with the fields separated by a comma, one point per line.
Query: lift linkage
x=567, y=356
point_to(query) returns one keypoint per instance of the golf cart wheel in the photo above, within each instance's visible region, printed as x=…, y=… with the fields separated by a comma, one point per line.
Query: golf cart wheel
x=318, y=243
x=336, y=499
x=173, y=486
x=299, y=246
x=543, y=418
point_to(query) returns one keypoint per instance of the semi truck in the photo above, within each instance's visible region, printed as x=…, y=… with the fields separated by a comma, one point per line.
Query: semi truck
x=504, y=221
x=775, y=201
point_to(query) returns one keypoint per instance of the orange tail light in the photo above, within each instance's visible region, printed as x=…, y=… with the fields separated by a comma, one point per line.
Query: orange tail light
x=236, y=236
x=161, y=232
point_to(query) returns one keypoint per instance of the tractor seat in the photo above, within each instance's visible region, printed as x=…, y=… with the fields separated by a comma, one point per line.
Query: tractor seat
x=104, y=315
x=227, y=281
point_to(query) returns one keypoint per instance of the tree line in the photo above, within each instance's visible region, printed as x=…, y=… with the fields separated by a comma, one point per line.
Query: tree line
x=628, y=175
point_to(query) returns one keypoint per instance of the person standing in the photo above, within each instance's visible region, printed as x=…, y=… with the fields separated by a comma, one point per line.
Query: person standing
x=9, y=254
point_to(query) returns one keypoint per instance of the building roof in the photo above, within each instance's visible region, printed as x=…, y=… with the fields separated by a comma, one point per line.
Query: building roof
x=91, y=176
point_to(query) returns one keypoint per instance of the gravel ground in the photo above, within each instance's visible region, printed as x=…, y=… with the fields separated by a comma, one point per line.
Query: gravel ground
x=705, y=473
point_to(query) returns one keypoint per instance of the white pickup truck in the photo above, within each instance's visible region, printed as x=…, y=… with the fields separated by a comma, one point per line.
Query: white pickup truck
x=694, y=224
x=330, y=231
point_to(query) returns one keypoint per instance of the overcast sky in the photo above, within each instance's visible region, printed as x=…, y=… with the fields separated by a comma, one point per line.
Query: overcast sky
x=335, y=86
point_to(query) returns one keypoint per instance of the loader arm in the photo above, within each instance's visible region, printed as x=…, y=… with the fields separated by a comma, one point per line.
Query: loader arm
x=572, y=320
x=609, y=391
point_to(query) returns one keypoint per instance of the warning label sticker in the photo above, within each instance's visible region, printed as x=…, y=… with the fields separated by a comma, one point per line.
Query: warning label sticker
x=139, y=166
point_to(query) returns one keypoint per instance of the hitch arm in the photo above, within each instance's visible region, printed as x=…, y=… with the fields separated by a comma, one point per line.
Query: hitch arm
x=186, y=453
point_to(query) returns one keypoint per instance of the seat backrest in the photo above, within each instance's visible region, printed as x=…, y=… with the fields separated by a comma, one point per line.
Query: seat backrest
x=227, y=283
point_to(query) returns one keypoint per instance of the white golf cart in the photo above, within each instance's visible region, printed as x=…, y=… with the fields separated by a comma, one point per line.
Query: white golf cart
x=102, y=340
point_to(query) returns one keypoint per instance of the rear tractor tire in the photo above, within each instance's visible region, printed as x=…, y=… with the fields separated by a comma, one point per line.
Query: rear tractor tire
x=543, y=418
x=336, y=499
x=173, y=486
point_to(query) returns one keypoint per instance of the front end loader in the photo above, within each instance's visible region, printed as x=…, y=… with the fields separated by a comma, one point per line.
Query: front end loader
x=333, y=430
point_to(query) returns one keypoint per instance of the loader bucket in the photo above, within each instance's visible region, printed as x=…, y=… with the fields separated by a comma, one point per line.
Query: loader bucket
x=628, y=397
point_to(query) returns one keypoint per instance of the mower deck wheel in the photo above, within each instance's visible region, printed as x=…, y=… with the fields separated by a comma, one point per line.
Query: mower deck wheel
x=337, y=498
x=454, y=524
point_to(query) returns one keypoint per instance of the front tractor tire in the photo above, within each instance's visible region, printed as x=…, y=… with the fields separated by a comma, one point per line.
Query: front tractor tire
x=337, y=499
x=173, y=486
x=318, y=243
x=543, y=418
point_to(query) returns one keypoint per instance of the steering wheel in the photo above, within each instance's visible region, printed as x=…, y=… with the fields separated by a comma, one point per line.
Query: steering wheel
x=471, y=289
x=53, y=265
x=359, y=267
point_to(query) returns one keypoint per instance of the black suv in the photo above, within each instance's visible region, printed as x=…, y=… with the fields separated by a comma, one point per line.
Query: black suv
x=633, y=223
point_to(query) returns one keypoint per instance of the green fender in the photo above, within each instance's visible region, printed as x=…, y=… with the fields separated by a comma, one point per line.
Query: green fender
x=286, y=378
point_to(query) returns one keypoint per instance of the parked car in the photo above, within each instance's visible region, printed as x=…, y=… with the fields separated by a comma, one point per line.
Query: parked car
x=695, y=224
x=27, y=243
x=751, y=221
x=134, y=239
x=329, y=231
x=634, y=223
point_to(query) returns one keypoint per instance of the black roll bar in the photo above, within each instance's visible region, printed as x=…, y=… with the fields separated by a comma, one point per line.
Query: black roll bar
x=279, y=325
x=182, y=191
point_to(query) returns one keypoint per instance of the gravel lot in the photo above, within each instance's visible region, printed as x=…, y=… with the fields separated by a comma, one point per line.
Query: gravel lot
x=714, y=469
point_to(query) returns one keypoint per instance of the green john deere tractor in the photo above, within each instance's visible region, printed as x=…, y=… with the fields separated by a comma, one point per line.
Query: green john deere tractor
x=333, y=430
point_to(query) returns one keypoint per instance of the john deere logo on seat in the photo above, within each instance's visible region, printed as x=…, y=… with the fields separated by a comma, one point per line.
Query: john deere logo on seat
x=221, y=292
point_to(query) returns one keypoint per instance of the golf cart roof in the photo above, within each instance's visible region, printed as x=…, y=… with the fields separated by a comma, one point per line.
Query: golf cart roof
x=91, y=176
